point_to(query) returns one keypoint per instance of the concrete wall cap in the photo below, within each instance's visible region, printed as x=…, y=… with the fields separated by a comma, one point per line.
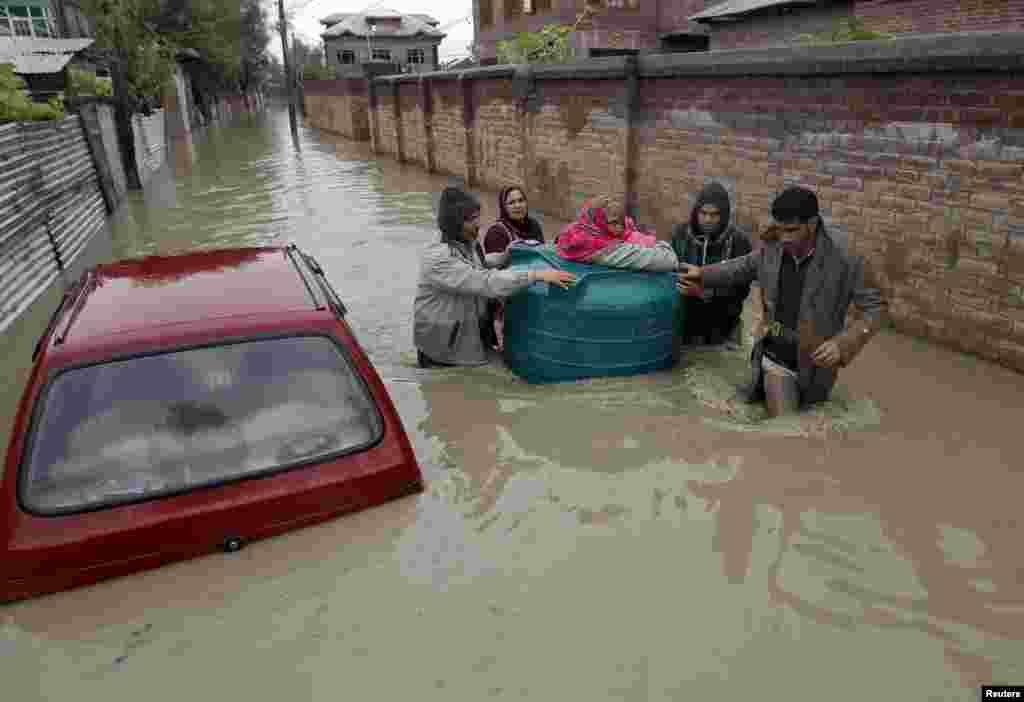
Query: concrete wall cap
x=973, y=51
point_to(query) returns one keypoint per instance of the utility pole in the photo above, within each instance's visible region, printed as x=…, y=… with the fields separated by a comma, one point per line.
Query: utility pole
x=288, y=77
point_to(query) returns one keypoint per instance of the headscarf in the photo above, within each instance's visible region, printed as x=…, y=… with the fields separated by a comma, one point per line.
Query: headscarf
x=590, y=235
x=526, y=229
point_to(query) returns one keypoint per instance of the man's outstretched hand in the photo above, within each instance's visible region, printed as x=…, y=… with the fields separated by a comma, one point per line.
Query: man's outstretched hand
x=691, y=279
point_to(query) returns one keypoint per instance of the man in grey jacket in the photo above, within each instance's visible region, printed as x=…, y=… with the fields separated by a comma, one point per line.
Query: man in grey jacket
x=807, y=285
x=455, y=282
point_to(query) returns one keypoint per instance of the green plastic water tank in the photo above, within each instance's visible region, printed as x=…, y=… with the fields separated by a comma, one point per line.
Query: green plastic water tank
x=611, y=323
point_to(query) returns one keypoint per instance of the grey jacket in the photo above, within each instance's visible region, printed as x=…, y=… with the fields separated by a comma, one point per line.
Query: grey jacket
x=834, y=280
x=658, y=259
x=451, y=298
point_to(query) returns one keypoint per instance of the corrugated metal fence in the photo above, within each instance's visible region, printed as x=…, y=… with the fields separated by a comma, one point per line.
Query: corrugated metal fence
x=50, y=207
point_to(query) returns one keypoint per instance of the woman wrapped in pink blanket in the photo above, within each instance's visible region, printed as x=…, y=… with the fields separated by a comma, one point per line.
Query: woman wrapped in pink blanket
x=604, y=236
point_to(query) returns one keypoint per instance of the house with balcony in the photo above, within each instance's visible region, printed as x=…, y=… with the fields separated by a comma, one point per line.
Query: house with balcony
x=39, y=38
x=356, y=44
x=614, y=27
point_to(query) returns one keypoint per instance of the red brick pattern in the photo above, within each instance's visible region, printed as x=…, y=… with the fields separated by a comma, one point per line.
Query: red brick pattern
x=571, y=157
x=449, y=132
x=344, y=114
x=498, y=145
x=928, y=16
x=637, y=22
x=414, y=142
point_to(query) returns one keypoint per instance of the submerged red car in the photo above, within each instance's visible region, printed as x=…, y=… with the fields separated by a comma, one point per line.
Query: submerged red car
x=184, y=404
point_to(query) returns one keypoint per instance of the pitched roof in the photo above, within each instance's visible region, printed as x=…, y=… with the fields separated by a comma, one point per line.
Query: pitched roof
x=333, y=19
x=736, y=8
x=32, y=55
x=358, y=25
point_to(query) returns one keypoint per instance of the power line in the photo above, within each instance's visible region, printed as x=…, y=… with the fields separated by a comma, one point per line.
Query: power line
x=455, y=22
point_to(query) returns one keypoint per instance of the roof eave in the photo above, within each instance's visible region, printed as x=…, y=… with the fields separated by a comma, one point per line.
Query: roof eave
x=709, y=15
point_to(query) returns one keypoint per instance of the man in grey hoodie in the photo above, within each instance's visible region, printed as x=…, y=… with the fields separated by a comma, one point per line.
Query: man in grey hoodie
x=456, y=280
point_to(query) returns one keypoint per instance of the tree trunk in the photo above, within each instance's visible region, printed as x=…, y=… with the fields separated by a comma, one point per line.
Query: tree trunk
x=123, y=117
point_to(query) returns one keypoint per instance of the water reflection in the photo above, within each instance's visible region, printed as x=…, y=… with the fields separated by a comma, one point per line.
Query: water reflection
x=851, y=553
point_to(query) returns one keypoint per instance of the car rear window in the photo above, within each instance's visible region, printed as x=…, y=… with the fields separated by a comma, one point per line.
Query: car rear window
x=133, y=429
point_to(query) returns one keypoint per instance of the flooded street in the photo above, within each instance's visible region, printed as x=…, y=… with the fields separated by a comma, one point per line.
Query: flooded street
x=620, y=539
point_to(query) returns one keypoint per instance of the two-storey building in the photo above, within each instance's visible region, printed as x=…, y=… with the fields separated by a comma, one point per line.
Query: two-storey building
x=408, y=42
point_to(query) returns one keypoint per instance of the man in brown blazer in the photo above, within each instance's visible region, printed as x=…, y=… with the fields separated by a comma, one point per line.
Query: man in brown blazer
x=807, y=285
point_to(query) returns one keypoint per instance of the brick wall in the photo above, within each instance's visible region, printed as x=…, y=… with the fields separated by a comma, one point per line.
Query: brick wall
x=621, y=24
x=339, y=106
x=414, y=142
x=448, y=131
x=576, y=145
x=923, y=176
x=926, y=16
x=497, y=135
x=769, y=28
x=920, y=172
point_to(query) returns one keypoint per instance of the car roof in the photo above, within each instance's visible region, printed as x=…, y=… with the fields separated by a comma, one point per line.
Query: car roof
x=159, y=291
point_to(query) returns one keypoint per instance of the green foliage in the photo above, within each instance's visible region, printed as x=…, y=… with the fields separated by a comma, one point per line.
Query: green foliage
x=230, y=38
x=149, y=60
x=312, y=71
x=216, y=33
x=86, y=83
x=845, y=29
x=17, y=106
x=550, y=45
x=255, y=37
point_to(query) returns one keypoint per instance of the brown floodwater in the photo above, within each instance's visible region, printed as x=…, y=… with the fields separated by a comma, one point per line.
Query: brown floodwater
x=630, y=539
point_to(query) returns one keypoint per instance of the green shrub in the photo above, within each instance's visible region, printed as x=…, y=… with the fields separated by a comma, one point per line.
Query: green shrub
x=550, y=45
x=313, y=71
x=845, y=29
x=87, y=83
x=17, y=106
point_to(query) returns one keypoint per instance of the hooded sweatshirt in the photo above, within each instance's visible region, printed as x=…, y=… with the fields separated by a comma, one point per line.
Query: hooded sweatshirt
x=699, y=248
x=506, y=230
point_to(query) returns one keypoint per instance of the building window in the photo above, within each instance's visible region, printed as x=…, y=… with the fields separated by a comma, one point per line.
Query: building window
x=24, y=21
x=486, y=14
x=381, y=54
x=417, y=56
x=346, y=56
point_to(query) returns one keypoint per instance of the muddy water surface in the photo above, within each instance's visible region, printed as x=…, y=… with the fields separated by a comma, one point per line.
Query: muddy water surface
x=628, y=539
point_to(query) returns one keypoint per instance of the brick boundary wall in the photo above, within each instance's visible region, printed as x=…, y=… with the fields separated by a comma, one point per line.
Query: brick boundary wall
x=915, y=147
x=928, y=16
